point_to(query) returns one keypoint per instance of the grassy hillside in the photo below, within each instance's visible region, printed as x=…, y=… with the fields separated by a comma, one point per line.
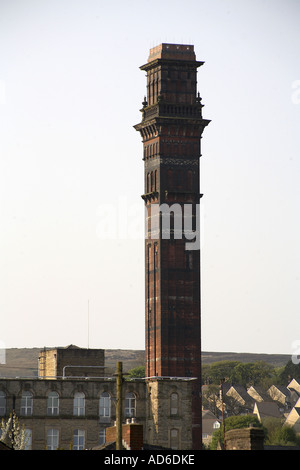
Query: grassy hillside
x=23, y=362
x=276, y=360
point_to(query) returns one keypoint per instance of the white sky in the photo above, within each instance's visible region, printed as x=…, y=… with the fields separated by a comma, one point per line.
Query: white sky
x=70, y=93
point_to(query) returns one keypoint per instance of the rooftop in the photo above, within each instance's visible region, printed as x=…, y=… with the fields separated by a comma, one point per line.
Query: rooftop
x=172, y=52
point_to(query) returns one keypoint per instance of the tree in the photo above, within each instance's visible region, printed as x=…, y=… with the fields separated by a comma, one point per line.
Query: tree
x=12, y=434
x=252, y=373
x=278, y=434
x=291, y=371
x=287, y=436
x=210, y=398
x=233, y=422
x=243, y=373
x=221, y=370
x=136, y=372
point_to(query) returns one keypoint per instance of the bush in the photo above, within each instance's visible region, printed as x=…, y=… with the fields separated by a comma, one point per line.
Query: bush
x=136, y=372
x=278, y=434
x=233, y=422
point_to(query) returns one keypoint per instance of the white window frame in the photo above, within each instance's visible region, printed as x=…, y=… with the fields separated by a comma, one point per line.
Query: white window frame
x=2, y=403
x=130, y=405
x=28, y=439
x=53, y=404
x=105, y=405
x=79, y=404
x=78, y=439
x=26, y=404
x=52, y=439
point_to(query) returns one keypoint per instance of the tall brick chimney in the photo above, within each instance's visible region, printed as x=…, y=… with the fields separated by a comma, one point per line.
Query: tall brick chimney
x=171, y=130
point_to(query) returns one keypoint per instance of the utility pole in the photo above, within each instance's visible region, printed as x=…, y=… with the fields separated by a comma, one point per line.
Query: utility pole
x=223, y=414
x=119, y=406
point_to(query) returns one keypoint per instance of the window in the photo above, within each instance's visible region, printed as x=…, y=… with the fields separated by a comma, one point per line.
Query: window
x=174, y=439
x=26, y=404
x=216, y=425
x=130, y=404
x=78, y=439
x=174, y=404
x=52, y=439
x=53, y=404
x=79, y=404
x=2, y=404
x=104, y=405
x=28, y=439
x=102, y=436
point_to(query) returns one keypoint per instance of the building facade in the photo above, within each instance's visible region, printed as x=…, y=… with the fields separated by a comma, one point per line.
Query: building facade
x=171, y=129
x=71, y=361
x=73, y=413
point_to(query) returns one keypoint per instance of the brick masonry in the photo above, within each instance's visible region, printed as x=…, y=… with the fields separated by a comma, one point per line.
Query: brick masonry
x=132, y=436
x=171, y=129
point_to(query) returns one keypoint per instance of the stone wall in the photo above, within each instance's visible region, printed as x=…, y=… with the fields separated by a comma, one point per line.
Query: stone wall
x=163, y=409
x=244, y=439
x=169, y=413
x=39, y=422
x=61, y=362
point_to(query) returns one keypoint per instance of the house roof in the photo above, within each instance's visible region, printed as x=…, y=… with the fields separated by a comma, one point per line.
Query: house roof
x=267, y=409
x=257, y=390
x=281, y=388
x=208, y=421
x=207, y=414
x=297, y=410
x=294, y=385
x=291, y=418
x=208, y=425
x=239, y=389
x=242, y=392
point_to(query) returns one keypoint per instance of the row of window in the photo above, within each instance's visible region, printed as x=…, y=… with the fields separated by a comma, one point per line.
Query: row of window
x=169, y=147
x=53, y=439
x=176, y=178
x=151, y=183
x=179, y=179
x=26, y=408
x=79, y=439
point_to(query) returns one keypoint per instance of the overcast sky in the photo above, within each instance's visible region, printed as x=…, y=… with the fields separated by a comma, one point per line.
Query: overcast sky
x=70, y=93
